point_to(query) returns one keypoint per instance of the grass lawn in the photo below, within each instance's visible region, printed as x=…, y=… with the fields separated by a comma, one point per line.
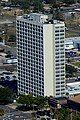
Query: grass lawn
x=71, y=34
x=77, y=64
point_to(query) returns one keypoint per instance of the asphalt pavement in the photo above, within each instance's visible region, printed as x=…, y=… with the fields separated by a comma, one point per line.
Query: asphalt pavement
x=13, y=114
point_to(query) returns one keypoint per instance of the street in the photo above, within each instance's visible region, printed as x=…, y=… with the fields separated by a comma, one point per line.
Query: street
x=13, y=114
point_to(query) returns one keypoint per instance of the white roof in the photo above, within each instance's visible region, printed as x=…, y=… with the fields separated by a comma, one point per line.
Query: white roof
x=73, y=88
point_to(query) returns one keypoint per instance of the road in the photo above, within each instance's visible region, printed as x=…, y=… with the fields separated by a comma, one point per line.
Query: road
x=13, y=114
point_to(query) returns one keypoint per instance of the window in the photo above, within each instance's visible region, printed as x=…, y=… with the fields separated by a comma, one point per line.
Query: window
x=57, y=93
x=61, y=37
x=61, y=26
x=58, y=90
x=56, y=38
x=61, y=33
x=57, y=27
x=57, y=86
x=57, y=42
x=61, y=30
x=57, y=82
x=62, y=89
x=57, y=75
x=56, y=31
x=56, y=34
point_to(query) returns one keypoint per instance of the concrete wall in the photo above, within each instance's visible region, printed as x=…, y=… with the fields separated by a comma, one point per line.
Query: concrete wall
x=49, y=79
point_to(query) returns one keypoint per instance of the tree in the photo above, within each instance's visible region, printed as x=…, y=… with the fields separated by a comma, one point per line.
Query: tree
x=12, y=38
x=31, y=101
x=51, y=1
x=64, y=114
x=78, y=1
x=25, y=99
x=38, y=5
x=76, y=118
x=68, y=1
x=6, y=95
x=14, y=1
x=71, y=70
x=25, y=4
x=40, y=101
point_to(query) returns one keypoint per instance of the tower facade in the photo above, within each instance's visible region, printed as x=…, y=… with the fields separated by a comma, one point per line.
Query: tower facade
x=41, y=55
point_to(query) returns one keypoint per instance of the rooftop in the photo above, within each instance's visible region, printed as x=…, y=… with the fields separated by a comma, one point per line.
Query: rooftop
x=39, y=18
x=76, y=98
x=73, y=88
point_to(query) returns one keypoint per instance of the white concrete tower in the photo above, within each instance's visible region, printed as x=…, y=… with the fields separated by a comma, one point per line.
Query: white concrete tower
x=41, y=55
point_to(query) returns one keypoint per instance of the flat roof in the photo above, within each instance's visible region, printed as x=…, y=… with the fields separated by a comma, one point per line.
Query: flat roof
x=72, y=39
x=76, y=98
x=45, y=17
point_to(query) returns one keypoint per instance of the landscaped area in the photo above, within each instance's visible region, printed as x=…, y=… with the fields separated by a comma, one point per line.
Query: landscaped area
x=77, y=64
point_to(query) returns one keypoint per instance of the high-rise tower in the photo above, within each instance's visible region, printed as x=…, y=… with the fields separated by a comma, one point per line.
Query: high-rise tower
x=41, y=55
